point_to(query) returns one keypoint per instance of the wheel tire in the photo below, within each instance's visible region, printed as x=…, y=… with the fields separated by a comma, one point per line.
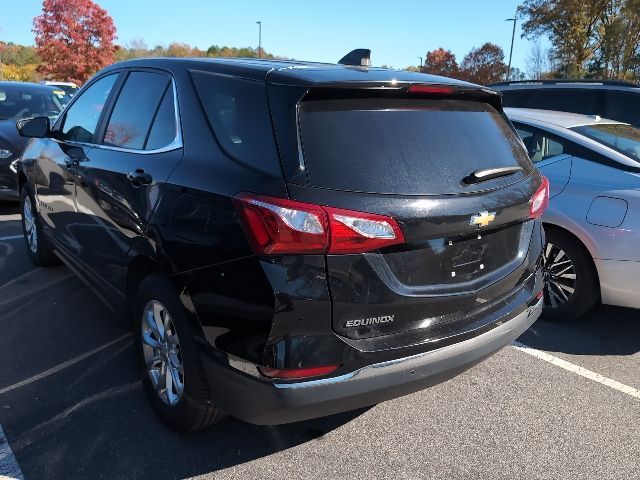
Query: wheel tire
x=558, y=282
x=194, y=408
x=38, y=247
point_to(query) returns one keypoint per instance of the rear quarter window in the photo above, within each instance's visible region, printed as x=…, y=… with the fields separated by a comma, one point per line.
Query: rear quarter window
x=238, y=114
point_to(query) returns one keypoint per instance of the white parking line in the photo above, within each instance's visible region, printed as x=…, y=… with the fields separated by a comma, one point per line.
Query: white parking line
x=62, y=366
x=11, y=237
x=9, y=468
x=577, y=369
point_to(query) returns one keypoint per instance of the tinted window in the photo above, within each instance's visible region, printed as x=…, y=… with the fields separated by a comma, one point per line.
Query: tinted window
x=163, y=130
x=135, y=109
x=82, y=117
x=539, y=146
x=623, y=138
x=22, y=102
x=517, y=97
x=623, y=106
x=405, y=146
x=238, y=113
x=566, y=100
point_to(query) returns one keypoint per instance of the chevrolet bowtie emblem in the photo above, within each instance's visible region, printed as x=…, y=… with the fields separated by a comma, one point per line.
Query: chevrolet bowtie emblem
x=482, y=219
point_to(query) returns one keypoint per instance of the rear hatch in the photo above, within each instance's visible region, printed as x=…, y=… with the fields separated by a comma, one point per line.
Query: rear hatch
x=448, y=168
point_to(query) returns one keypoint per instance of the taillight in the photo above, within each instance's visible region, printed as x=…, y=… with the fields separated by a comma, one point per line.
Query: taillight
x=297, y=373
x=277, y=226
x=540, y=200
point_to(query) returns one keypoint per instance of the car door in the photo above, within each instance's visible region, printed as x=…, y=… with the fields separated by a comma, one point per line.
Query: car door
x=120, y=182
x=70, y=144
x=547, y=152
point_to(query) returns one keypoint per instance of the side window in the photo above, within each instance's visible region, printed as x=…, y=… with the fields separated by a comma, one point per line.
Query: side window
x=539, y=146
x=164, y=129
x=566, y=100
x=81, y=119
x=135, y=109
x=623, y=106
x=238, y=114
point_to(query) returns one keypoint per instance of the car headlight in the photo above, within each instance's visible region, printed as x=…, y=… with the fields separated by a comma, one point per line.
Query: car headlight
x=4, y=153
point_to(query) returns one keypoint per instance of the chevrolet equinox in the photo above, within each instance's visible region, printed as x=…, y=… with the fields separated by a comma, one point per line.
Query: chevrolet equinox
x=290, y=239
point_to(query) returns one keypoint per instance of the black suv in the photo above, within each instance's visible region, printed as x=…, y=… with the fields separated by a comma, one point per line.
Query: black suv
x=291, y=239
x=612, y=99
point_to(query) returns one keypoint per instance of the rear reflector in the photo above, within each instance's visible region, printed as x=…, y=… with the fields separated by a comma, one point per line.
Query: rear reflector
x=297, y=373
x=277, y=226
x=540, y=200
x=431, y=89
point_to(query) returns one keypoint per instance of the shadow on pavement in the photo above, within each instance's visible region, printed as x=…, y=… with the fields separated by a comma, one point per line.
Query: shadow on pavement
x=9, y=208
x=605, y=330
x=72, y=405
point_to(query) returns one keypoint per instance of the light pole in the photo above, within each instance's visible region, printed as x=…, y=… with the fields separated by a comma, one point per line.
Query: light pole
x=513, y=34
x=259, y=39
x=420, y=63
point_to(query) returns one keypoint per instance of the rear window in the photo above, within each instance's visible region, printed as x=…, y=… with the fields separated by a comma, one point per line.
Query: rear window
x=406, y=146
x=623, y=106
x=623, y=138
x=566, y=100
x=518, y=98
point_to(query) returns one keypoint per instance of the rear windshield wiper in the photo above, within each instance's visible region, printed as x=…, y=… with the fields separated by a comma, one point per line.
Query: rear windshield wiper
x=485, y=174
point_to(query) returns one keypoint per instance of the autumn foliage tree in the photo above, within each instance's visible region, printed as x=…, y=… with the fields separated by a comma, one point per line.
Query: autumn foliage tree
x=440, y=62
x=484, y=65
x=74, y=39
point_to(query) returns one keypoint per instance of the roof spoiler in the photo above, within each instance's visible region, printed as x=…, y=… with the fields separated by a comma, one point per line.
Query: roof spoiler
x=360, y=57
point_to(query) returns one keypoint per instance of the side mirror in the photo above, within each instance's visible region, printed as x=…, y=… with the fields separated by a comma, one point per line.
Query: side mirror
x=36, y=127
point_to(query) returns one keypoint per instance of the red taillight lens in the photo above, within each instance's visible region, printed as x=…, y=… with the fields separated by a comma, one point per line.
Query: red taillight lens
x=431, y=89
x=540, y=200
x=297, y=373
x=277, y=226
x=355, y=232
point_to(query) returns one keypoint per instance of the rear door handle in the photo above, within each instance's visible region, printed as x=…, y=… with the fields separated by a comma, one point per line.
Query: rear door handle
x=138, y=178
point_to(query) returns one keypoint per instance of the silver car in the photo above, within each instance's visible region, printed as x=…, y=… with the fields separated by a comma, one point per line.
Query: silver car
x=593, y=220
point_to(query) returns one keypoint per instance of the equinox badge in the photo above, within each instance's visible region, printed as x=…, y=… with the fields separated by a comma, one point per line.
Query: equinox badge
x=482, y=219
x=369, y=321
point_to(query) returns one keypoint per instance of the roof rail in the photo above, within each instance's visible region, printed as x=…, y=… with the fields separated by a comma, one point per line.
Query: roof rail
x=571, y=81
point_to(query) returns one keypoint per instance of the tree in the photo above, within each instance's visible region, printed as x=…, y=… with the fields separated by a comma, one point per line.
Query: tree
x=74, y=38
x=484, y=65
x=571, y=25
x=538, y=64
x=440, y=62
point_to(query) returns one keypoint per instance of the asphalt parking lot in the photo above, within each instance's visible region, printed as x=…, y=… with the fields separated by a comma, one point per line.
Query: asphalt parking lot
x=71, y=405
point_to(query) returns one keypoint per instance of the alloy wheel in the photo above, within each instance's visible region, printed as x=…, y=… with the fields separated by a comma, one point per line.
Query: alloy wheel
x=162, y=354
x=559, y=276
x=31, y=232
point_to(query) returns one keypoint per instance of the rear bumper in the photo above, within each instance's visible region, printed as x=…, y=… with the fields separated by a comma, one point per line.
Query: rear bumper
x=619, y=282
x=270, y=403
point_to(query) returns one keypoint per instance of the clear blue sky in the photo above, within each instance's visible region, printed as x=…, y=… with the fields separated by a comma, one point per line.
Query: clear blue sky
x=396, y=32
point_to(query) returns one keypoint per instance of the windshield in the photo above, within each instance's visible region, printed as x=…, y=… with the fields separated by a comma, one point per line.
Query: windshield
x=17, y=102
x=623, y=138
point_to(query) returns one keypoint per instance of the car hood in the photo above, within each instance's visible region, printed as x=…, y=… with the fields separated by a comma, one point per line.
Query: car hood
x=9, y=137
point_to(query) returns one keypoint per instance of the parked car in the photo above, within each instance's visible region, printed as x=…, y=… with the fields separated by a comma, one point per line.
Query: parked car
x=19, y=100
x=69, y=88
x=293, y=239
x=593, y=221
x=608, y=98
